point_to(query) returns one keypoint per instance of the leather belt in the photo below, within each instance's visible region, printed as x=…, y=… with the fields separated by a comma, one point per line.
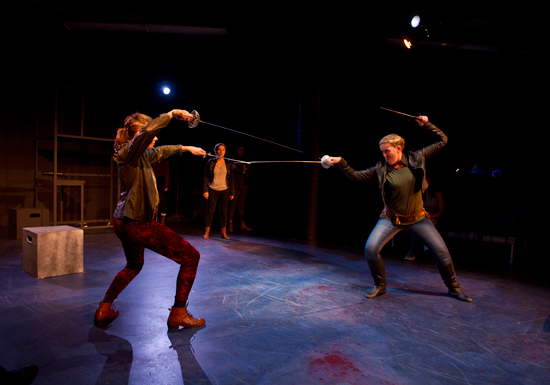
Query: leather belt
x=397, y=218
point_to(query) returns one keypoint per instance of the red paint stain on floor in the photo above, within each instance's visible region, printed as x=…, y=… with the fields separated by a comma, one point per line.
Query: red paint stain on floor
x=335, y=365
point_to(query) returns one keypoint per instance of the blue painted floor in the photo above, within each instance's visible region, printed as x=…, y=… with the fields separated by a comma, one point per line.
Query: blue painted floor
x=277, y=312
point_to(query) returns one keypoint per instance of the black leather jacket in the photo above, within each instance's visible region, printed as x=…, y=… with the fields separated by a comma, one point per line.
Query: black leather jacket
x=415, y=160
x=209, y=175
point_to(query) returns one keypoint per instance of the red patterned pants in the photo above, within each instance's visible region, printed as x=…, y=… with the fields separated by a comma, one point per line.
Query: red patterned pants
x=137, y=236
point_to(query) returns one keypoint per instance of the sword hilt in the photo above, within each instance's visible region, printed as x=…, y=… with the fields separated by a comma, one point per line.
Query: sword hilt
x=196, y=119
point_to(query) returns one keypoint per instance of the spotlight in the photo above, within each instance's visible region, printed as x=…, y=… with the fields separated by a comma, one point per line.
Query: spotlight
x=421, y=23
x=165, y=90
x=415, y=21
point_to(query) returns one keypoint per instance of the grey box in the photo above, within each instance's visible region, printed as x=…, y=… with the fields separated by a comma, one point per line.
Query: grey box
x=26, y=217
x=50, y=251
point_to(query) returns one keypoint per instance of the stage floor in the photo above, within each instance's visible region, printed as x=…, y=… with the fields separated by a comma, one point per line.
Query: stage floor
x=277, y=312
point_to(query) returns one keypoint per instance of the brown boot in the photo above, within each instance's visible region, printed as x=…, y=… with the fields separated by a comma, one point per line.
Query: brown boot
x=376, y=291
x=448, y=275
x=104, y=315
x=224, y=234
x=244, y=227
x=206, y=232
x=230, y=227
x=378, y=272
x=179, y=316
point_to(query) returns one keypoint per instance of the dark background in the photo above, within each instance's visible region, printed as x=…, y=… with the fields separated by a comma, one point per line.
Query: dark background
x=309, y=77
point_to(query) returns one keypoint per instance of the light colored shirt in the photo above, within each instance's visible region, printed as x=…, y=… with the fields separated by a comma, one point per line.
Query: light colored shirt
x=219, y=183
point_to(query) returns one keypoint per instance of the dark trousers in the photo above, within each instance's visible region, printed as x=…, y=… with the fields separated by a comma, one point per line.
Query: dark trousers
x=136, y=236
x=238, y=201
x=213, y=197
x=161, y=185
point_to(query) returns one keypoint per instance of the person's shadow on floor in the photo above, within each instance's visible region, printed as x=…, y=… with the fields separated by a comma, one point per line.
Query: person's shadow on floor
x=119, y=353
x=191, y=371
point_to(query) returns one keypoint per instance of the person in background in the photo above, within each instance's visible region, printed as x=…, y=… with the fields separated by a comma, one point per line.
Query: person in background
x=162, y=174
x=218, y=185
x=435, y=207
x=241, y=175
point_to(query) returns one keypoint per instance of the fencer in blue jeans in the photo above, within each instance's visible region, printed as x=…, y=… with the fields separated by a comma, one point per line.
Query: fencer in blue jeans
x=401, y=179
x=424, y=230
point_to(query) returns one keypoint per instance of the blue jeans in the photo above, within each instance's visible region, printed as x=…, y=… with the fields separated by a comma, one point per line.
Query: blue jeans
x=424, y=230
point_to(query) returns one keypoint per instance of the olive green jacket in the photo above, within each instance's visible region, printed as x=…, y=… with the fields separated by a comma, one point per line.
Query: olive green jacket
x=139, y=195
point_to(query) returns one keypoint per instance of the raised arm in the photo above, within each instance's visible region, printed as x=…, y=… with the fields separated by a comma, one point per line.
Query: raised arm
x=433, y=148
x=138, y=145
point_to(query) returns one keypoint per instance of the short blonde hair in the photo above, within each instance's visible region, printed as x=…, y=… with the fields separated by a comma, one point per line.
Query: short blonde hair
x=393, y=139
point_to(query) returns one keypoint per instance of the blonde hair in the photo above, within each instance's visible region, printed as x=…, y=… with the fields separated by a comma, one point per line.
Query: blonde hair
x=132, y=125
x=393, y=139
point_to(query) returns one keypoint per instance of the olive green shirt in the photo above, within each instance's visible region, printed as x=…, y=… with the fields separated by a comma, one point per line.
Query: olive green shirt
x=400, y=195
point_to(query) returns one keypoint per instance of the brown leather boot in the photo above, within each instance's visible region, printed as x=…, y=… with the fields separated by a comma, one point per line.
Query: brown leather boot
x=224, y=234
x=206, y=232
x=244, y=227
x=230, y=227
x=104, y=315
x=179, y=316
x=448, y=275
x=378, y=272
x=375, y=291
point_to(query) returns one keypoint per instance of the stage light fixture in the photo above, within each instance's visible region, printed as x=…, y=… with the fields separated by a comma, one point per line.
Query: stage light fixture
x=166, y=90
x=415, y=21
x=415, y=36
x=418, y=29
